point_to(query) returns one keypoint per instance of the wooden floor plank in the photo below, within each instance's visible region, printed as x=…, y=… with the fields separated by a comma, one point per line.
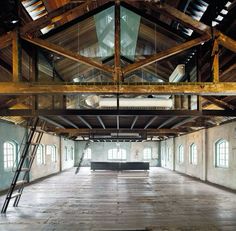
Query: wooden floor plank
x=127, y=201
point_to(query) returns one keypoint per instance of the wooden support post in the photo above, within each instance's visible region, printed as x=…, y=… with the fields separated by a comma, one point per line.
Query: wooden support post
x=199, y=76
x=34, y=78
x=16, y=57
x=117, y=75
x=215, y=64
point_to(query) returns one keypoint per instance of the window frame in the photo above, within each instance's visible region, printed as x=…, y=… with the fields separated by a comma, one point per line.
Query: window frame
x=225, y=155
x=88, y=154
x=117, y=154
x=8, y=163
x=193, y=155
x=41, y=160
x=147, y=153
x=51, y=150
x=181, y=154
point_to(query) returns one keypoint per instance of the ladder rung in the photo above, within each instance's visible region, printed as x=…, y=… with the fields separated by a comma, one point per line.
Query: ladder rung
x=15, y=195
x=24, y=170
x=34, y=143
x=20, y=182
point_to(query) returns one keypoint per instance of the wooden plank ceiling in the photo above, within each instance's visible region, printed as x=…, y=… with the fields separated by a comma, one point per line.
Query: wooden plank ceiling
x=60, y=66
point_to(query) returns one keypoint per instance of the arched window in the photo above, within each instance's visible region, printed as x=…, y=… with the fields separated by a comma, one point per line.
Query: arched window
x=72, y=153
x=222, y=153
x=40, y=155
x=66, y=153
x=147, y=153
x=9, y=154
x=51, y=150
x=88, y=154
x=181, y=153
x=117, y=154
x=168, y=154
x=193, y=154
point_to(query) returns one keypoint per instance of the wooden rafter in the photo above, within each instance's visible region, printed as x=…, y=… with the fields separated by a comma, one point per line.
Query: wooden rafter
x=166, y=53
x=5, y=40
x=181, y=17
x=67, y=53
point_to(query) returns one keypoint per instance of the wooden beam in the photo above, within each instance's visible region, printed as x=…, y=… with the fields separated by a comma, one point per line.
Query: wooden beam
x=5, y=40
x=56, y=16
x=227, y=42
x=215, y=64
x=181, y=17
x=183, y=88
x=16, y=57
x=102, y=112
x=134, y=121
x=220, y=103
x=68, y=122
x=85, y=122
x=117, y=75
x=166, y=53
x=150, y=122
x=101, y=122
x=68, y=54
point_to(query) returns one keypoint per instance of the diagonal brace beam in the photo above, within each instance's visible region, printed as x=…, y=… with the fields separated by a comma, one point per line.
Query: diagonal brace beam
x=166, y=53
x=67, y=53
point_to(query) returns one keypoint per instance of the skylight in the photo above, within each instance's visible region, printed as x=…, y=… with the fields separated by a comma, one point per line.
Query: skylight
x=105, y=29
x=36, y=10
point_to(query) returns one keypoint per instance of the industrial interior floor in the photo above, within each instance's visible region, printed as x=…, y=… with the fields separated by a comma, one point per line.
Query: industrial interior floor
x=155, y=200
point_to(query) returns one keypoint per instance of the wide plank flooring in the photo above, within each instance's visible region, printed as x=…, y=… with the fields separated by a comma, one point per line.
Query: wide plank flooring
x=155, y=200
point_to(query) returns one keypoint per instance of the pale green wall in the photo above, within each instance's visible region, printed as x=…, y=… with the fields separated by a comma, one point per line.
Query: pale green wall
x=8, y=132
x=11, y=132
x=134, y=151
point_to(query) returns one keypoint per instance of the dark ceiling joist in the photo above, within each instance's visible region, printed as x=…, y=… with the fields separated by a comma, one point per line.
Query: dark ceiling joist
x=68, y=122
x=166, y=53
x=101, y=112
x=182, y=88
x=84, y=131
x=67, y=53
x=184, y=122
x=101, y=122
x=51, y=122
x=85, y=122
x=150, y=122
x=167, y=122
x=118, y=122
x=134, y=122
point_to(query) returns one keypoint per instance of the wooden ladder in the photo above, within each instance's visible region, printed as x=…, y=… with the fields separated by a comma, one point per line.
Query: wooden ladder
x=27, y=153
